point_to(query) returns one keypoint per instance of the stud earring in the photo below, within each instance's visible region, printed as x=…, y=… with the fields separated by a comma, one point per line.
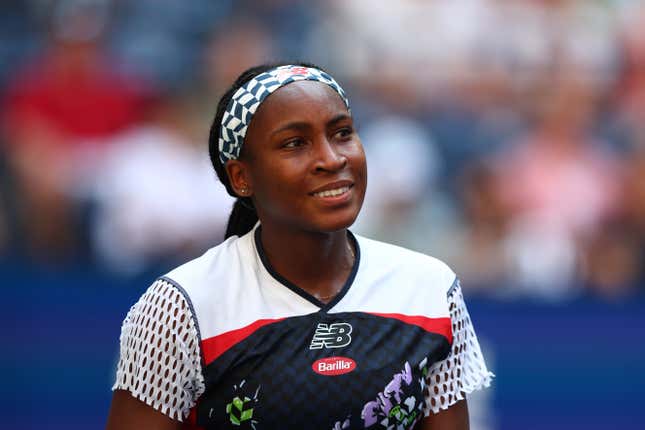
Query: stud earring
x=243, y=190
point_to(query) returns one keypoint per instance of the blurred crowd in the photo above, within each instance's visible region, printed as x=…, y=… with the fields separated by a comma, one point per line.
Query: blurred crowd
x=506, y=137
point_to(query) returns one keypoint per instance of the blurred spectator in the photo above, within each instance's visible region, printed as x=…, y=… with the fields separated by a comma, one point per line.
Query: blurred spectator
x=402, y=203
x=482, y=262
x=164, y=39
x=235, y=46
x=290, y=23
x=634, y=196
x=56, y=112
x=403, y=165
x=558, y=187
x=388, y=37
x=613, y=262
x=630, y=89
x=615, y=259
x=157, y=198
x=19, y=36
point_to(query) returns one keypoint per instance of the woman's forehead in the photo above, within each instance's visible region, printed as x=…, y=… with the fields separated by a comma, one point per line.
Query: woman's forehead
x=300, y=99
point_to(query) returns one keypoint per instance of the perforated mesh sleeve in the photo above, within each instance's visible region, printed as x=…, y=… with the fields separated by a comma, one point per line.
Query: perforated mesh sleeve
x=160, y=362
x=464, y=370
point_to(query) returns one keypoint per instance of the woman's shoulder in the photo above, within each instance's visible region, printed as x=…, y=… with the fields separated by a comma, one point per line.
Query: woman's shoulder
x=403, y=262
x=215, y=266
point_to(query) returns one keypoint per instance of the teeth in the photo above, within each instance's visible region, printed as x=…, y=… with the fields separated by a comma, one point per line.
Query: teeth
x=332, y=193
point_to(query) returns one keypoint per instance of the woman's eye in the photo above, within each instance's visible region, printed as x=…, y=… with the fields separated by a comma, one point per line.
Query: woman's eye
x=344, y=132
x=293, y=143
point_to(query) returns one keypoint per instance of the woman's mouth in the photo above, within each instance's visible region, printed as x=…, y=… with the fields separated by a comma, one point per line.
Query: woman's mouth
x=333, y=193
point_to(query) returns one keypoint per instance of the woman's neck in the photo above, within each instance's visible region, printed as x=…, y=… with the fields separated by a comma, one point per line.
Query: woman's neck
x=319, y=263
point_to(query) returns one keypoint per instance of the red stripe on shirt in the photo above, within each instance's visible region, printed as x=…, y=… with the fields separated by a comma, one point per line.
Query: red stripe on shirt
x=442, y=326
x=215, y=346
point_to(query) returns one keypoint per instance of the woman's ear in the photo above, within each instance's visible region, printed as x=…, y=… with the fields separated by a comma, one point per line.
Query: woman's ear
x=239, y=177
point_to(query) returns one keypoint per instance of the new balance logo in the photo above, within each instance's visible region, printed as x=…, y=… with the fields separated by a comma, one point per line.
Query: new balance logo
x=334, y=335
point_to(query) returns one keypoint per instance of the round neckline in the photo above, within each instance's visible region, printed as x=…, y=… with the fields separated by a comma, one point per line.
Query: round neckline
x=300, y=291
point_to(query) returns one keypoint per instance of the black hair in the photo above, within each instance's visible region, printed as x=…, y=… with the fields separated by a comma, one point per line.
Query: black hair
x=243, y=216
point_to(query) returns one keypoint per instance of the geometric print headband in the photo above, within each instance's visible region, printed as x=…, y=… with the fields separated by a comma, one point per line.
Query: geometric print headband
x=247, y=99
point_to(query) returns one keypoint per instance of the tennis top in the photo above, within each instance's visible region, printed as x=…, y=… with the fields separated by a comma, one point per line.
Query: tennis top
x=224, y=341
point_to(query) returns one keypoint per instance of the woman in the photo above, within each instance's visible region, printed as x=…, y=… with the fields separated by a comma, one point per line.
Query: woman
x=293, y=322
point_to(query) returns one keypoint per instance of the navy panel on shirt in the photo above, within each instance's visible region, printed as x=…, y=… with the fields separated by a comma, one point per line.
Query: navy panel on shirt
x=267, y=381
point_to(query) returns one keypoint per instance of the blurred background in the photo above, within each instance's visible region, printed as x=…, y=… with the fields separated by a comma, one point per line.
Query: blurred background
x=506, y=137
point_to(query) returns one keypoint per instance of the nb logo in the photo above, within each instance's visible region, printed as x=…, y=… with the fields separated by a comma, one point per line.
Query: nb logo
x=334, y=335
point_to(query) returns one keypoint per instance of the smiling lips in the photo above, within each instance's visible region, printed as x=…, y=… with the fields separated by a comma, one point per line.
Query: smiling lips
x=332, y=193
x=333, y=190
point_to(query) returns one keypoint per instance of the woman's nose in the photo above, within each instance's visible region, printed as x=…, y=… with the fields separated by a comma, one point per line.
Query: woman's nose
x=328, y=158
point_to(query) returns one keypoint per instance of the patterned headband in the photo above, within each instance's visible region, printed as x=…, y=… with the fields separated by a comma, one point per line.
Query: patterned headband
x=247, y=99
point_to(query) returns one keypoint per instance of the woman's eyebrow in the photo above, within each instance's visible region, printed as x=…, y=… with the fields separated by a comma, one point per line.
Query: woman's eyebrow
x=301, y=125
x=296, y=125
x=338, y=118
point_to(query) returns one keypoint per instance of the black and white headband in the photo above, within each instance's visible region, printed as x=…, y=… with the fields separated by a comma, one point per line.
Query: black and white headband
x=247, y=99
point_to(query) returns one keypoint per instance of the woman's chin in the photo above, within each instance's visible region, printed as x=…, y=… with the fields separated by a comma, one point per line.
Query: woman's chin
x=336, y=223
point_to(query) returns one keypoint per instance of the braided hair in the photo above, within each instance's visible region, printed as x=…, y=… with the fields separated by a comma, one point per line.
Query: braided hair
x=243, y=216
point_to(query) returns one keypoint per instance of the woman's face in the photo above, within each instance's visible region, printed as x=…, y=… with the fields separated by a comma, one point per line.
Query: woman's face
x=303, y=160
